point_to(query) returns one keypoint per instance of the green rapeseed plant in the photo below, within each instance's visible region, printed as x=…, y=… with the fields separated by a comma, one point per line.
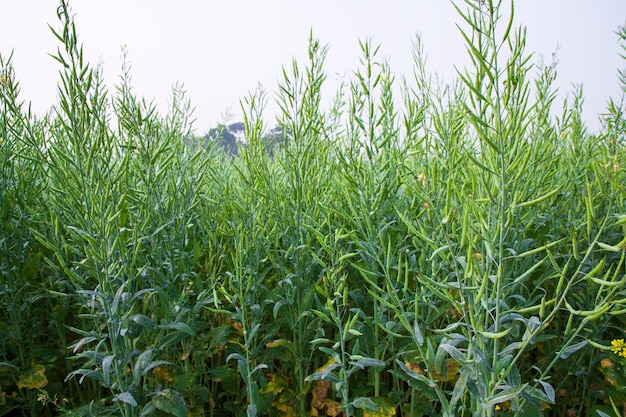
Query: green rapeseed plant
x=453, y=253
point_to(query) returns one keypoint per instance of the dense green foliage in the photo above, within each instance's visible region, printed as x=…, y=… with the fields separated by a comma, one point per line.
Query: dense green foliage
x=455, y=251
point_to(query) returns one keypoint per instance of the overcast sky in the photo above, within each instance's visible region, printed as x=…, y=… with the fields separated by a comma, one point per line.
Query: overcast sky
x=222, y=49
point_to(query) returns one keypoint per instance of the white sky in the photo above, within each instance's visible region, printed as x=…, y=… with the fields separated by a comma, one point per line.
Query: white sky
x=222, y=49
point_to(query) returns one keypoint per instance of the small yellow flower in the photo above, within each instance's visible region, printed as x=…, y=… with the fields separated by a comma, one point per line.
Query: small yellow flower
x=618, y=347
x=3, y=81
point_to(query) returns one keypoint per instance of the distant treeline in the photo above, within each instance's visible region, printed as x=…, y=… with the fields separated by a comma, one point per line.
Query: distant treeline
x=229, y=138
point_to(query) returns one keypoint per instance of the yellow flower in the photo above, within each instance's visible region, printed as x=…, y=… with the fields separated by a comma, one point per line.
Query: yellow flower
x=618, y=347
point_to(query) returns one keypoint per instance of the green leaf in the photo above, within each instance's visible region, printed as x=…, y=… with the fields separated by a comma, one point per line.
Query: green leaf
x=417, y=334
x=549, y=390
x=237, y=356
x=171, y=339
x=504, y=396
x=511, y=347
x=325, y=375
x=85, y=340
x=181, y=327
x=126, y=397
x=455, y=353
x=546, y=395
x=365, y=362
x=148, y=410
x=258, y=368
x=384, y=408
x=364, y=403
x=8, y=365
x=107, y=363
x=331, y=353
x=155, y=364
x=143, y=321
x=419, y=377
x=85, y=373
x=459, y=388
x=171, y=402
x=573, y=348
x=140, y=365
